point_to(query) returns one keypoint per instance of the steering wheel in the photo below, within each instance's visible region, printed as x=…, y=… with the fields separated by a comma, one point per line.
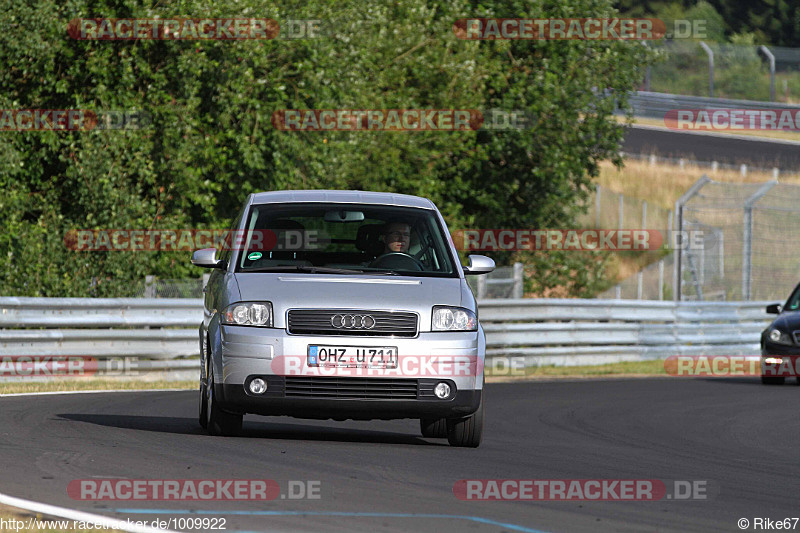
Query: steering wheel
x=397, y=260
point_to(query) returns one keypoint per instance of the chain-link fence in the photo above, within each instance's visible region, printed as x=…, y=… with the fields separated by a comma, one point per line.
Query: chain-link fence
x=654, y=282
x=749, y=250
x=503, y=282
x=726, y=71
x=608, y=209
x=151, y=287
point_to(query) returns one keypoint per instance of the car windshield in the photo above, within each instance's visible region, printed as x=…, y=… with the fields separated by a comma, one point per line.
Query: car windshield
x=344, y=239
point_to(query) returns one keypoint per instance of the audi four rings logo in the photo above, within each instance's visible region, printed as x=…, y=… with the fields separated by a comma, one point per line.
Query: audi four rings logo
x=352, y=321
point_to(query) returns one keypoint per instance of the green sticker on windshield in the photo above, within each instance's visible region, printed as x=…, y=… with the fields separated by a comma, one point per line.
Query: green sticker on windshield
x=254, y=256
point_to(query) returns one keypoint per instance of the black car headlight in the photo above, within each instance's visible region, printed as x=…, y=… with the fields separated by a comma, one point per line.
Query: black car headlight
x=248, y=314
x=779, y=337
x=453, y=319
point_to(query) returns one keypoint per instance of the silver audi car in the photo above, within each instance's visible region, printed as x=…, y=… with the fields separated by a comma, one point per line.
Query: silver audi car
x=341, y=305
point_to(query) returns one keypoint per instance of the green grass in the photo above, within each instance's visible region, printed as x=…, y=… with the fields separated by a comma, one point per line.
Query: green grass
x=628, y=368
x=61, y=385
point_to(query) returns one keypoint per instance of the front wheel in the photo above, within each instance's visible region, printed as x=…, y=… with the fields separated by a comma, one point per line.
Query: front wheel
x=219, y=422
x=466, y=432
x=433, y=428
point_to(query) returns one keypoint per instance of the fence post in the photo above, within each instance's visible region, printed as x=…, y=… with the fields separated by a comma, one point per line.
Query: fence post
x=481, y=281
x=149, y=286
x=771, y=58
x=518, y=280
x=747, y=238
x=644, y=214
x=621, y=211
x=661, y=279
x=597, y=207
x=639, y=282
x=710, y=68
x=676, y=273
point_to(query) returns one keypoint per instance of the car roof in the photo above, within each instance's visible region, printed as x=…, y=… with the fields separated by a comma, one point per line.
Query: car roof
x=342, y=197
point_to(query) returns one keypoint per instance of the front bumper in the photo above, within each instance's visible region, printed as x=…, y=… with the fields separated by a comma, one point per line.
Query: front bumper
x=789, y=357
x=249, y=352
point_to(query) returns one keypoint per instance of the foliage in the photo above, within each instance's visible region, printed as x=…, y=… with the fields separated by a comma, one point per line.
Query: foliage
x=211, y=141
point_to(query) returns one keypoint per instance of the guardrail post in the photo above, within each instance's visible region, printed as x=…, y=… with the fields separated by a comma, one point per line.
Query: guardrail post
x=747, y=238
x=518, y=280
x=149, y=286
x=771, y=58
x=661, y=279
x=710, y=53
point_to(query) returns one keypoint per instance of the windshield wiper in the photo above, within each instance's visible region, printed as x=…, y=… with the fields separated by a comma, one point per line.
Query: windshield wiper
x=320, y=270
x=303, y=268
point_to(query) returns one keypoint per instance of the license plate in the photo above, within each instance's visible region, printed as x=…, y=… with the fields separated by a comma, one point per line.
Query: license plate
x=352, y=356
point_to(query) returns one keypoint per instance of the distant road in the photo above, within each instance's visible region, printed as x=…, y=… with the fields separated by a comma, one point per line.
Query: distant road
x=731, y=149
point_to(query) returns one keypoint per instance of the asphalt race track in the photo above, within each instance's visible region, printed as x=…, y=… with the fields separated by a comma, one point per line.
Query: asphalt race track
x=727, y=149
x=735, y=434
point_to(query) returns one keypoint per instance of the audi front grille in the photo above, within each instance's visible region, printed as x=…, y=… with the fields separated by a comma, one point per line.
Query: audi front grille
x=352, y=322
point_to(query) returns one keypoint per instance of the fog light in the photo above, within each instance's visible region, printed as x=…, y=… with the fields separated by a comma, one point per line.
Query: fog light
x=258, y=386
x=442, y=390
x=773, y=360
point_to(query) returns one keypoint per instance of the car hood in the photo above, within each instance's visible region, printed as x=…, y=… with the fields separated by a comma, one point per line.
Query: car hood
x=303, y=291
x=787, y=321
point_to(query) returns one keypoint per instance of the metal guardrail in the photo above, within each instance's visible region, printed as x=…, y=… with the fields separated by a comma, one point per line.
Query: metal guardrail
x=574, y=332
x=542, y=331
x=656, y=105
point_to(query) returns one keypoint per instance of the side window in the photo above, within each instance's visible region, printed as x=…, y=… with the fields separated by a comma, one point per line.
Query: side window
x=226, y=253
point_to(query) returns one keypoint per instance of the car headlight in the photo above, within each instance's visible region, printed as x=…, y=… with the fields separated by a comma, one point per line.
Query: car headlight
x=453, y=319
x=779, y=337
x=248, y=314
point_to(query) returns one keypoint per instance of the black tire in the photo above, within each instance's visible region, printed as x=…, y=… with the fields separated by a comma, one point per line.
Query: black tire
x=772, y=380
x=219, y=422
x=466, y=432
x=433, y=428
x=203, y=418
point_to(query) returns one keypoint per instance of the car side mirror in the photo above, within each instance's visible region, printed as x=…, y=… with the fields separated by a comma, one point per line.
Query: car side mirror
x=479, y=264
x=207, y=258
x=774, y=309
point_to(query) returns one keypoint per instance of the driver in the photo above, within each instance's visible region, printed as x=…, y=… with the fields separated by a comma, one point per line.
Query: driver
x=396, y=237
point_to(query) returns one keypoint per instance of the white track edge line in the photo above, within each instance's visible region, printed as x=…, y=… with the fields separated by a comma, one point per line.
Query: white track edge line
x=80, y=516
x=50, y=393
